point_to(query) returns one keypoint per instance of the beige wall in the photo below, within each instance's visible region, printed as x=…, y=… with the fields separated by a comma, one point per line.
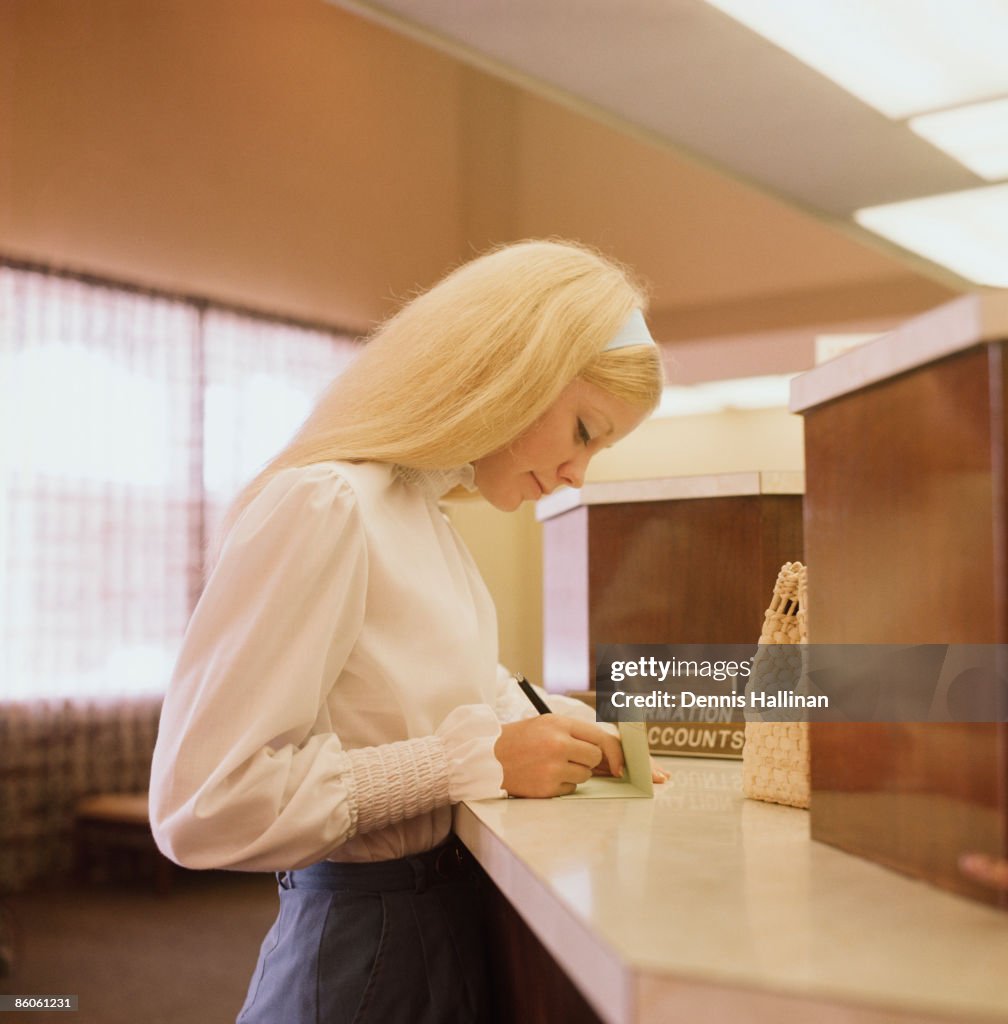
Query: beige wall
x=507, y=548
x=276, y=153
x=726, y=442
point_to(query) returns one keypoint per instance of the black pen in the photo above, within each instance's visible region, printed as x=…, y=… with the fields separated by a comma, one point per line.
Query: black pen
x=537, y=702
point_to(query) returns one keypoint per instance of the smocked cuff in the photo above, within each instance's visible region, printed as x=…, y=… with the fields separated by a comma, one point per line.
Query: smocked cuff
x=468, y=736
x=397, y=781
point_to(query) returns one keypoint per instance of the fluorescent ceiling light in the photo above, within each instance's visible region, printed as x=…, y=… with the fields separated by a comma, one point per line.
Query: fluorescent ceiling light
x=976, y=136
x=723, y=395
x=902, y=57
x=964, y=231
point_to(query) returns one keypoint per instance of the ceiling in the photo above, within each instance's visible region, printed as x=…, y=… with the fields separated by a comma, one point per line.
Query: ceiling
x=685, y=75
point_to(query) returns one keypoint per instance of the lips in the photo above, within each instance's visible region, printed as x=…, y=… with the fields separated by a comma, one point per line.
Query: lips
x=542, y=490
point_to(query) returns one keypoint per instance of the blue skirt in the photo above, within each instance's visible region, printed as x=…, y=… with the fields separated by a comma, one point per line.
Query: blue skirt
x=389, y=942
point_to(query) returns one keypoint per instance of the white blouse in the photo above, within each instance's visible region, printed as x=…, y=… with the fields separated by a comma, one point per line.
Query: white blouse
x=338, y=687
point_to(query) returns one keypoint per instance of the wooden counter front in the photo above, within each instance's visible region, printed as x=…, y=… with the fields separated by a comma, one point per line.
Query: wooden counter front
x=677, y=560
x=906, y=534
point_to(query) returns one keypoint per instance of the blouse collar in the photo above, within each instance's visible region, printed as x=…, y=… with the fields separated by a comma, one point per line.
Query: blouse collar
x=435, y=483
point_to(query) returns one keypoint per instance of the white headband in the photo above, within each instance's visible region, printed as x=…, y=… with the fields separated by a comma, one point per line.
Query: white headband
x=633, y=332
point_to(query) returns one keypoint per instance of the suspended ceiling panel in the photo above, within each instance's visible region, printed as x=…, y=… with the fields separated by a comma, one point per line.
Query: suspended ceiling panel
x=686, y=74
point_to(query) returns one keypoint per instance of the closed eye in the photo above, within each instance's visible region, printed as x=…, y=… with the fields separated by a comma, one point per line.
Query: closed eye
x=583, y=436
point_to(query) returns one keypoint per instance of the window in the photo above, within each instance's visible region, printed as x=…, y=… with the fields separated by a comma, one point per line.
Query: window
x=127, y=422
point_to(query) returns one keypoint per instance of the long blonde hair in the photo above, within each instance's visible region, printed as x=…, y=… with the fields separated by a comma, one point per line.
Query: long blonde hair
x=466, y=367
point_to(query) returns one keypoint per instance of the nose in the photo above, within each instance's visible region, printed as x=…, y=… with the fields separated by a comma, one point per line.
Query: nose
x=572, y=472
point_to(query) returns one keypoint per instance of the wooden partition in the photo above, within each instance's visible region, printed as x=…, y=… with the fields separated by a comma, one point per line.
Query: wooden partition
x=905, y=531
x=676, y=560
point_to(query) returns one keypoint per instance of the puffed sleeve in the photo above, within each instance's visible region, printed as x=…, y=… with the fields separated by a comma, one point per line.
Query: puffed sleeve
x=238, y=778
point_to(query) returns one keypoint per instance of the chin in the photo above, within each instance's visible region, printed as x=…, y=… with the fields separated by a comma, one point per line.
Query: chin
x=509, y=504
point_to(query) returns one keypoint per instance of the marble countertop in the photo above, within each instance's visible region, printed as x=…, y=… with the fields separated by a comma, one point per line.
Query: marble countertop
x=700, y=903
x=953, y=327
x=672, y=488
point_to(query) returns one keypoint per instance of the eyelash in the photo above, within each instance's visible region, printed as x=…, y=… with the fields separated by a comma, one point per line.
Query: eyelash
x=583, y=436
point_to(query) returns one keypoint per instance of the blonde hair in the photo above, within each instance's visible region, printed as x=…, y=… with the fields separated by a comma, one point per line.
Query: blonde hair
x=465, y=368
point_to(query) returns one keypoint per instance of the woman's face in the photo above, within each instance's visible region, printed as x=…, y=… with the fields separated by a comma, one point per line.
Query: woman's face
x=557, y=448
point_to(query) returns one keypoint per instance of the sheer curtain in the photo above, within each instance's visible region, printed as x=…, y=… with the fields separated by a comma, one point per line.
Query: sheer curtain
x=96, y=498
x=127, y=422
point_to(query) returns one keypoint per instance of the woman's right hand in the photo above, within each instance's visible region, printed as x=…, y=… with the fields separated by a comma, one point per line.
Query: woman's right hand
x=550, y=754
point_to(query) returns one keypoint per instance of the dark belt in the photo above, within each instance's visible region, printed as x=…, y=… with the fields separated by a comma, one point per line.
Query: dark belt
x=449, y=862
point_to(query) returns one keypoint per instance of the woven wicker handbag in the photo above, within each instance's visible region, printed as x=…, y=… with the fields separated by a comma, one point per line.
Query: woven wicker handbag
x=775, y=758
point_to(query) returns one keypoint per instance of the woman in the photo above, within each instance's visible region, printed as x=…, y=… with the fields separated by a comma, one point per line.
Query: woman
x=338, y=687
